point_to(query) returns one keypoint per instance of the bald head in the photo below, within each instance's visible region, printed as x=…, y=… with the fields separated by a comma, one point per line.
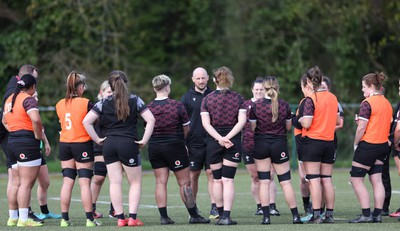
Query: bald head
x=28, y=69
x=200, y=71
x=200, y=79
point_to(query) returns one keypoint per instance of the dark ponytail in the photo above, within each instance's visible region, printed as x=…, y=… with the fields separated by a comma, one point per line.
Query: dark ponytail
x=314, y=74
x=26, y=82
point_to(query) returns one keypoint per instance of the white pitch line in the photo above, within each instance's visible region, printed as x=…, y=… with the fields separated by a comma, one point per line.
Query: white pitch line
x=125, y=204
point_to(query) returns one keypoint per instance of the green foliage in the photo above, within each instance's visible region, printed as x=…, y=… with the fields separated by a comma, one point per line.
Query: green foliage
x=347, y=39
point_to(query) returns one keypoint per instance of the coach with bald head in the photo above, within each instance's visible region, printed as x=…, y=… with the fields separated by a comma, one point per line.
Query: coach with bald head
x=196, y=140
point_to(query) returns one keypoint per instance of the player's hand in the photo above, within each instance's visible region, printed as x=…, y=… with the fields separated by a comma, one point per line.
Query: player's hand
x=141, y=143
x=100, y=141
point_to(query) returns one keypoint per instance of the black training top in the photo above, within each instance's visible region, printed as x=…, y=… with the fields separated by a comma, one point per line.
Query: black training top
x=192, y=102
x=114, y=127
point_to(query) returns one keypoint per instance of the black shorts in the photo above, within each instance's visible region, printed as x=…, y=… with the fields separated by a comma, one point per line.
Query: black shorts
x=172, y=155
x=23, y=152
x=80, y=152
x=22, y=146
x=367, y=153
x=197, y=157
x=121, y=149
x=216, y=153
x=275, y=148
x=313, y=150
x=97, y=149
x=247, y=157
x=298, y=139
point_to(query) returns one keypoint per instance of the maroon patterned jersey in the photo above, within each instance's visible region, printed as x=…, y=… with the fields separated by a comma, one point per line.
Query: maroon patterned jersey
x=309, y=107
x=170, y=117
x=223, y=108
x=248, y=135
x=365, y=111
x=262, y=113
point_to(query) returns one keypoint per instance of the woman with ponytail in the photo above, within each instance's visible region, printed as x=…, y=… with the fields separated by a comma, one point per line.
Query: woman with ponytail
x=76, y=148
x=270, y=119
x=21, y=118
x=318, y=122
x=371, y=147
x=223, y=115
x=119, y=114
x=99, y=167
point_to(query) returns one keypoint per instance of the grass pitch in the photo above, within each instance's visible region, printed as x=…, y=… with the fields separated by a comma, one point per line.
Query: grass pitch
x=346, y=207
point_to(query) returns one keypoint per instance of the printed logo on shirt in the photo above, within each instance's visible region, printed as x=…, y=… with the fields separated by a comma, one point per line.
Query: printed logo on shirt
x=178, y=164
x=194, y=99
x=22, y=156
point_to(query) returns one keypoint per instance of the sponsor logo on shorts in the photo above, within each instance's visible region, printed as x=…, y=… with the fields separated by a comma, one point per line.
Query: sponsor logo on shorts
x=22, y=156
x=283, y=156
x=131, y=161
x=236, y=156
x=247, y=158
x=192, y=163
x=85, y=156
x=178, y=164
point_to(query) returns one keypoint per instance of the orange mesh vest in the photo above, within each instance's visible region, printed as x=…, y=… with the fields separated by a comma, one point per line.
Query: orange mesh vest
x=378, y=127
x=18, y=119
x=70, y=116
x=325, y=116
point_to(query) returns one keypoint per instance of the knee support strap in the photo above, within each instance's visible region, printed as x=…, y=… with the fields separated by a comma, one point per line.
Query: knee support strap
x=375, y=169
x=228, y=172
x=312, y=176
x=264, y=175
x=100, y=169
x=217, y=174
x=85, y=173
x=69, y=172
x=326, y=176
x=358, y=172
x=284, y=177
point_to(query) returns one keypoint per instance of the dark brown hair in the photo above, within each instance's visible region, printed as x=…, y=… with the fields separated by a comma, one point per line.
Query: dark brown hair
x=118, y=80
x=314, y=74
x=375, y=79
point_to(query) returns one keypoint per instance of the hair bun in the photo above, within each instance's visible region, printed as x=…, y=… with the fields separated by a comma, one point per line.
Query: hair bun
x=381, y=77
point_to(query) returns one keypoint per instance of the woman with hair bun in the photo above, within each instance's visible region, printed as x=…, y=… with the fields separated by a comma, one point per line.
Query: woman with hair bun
x=223, y=115
x=371, y=147
x=318, y=122
x=22, y=119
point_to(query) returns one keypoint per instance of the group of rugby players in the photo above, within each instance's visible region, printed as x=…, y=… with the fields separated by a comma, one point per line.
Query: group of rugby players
x=206, y=129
